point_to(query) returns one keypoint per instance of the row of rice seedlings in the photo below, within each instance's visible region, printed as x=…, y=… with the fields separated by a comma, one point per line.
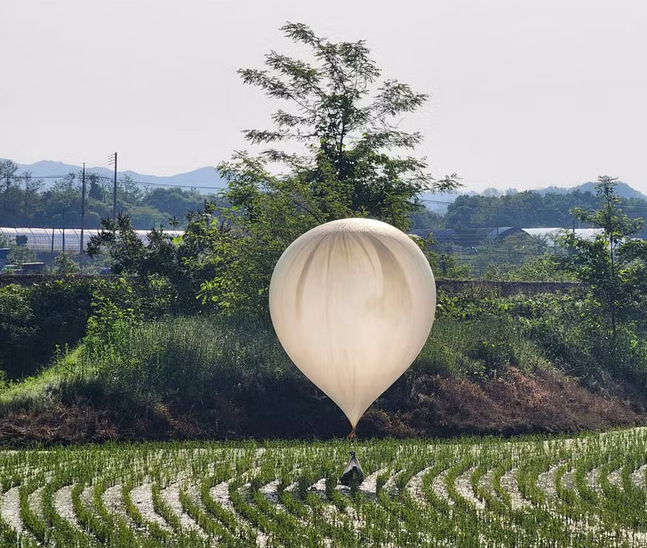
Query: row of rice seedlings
x=153, y=528
x=62, y=531
x=341, y=519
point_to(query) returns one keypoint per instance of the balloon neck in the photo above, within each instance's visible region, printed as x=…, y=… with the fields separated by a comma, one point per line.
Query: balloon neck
x=351, y=436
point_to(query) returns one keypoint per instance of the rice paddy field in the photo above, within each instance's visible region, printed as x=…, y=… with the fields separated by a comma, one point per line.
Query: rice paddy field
x=581, y=492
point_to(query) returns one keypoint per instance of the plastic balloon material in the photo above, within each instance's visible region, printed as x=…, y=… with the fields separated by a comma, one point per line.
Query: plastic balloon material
x=352, y=302
x=353, y=472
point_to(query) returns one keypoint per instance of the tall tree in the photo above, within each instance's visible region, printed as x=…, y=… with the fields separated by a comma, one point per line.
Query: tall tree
x=344, y=121
x=334, y=152
x=613, y=267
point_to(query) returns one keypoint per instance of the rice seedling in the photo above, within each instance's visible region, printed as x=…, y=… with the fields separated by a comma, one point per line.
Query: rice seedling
x=588, y=491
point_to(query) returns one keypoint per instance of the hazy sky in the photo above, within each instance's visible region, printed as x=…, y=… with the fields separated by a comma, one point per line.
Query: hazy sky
x=524, y=93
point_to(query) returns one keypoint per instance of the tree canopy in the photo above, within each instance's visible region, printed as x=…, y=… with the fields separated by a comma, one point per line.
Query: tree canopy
x=26, y=201
x=529, y=209
x=342, y=120
x=341, y=158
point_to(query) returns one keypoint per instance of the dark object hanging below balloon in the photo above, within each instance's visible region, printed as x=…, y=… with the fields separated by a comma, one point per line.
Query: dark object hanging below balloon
x=353, y=472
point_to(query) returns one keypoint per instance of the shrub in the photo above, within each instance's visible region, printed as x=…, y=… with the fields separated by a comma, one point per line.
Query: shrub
x=17, y=331
x=178, y=360
x=35, y=320
x=478, y=348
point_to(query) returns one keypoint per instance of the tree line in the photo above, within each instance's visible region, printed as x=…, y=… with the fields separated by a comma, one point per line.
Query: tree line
x=530, y=209
x=26, y=201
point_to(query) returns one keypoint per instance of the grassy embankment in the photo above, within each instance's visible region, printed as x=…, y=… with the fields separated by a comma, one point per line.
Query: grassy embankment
x=203, y=377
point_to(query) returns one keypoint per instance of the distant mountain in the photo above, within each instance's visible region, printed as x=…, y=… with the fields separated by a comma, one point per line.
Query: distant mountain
x=623, y=189
x=440, y=202
x=206, y=178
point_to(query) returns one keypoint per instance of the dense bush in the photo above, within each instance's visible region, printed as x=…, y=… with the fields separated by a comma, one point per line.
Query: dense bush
x=478, y=348
x=35, y=320
x=226, y=374
x=181, y=360
x=568, y=329
x=211, y=376
x=564, y=330
x=196, y=362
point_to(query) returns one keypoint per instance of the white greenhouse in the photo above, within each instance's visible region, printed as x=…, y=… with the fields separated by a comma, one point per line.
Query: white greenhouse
x=55, y=240
x=551, y=235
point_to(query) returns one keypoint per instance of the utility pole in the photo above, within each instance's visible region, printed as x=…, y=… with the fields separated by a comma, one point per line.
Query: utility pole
x=82, y=206
x=114, y=188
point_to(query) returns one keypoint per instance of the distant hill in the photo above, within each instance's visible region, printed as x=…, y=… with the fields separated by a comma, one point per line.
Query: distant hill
x=206, y=178
x=440, y=202
x=623, y=189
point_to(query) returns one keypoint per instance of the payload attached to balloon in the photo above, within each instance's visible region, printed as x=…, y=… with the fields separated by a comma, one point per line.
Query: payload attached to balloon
x=352, y=302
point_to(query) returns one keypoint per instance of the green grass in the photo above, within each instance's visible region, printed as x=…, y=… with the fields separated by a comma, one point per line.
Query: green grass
x=418, y=493
x=33, y=390
x=179, y=359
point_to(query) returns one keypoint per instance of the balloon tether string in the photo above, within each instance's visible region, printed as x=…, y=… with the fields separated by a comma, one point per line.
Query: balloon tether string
x=351, y=437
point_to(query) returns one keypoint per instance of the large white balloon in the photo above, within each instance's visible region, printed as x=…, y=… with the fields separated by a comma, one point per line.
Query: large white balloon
x=352, y=302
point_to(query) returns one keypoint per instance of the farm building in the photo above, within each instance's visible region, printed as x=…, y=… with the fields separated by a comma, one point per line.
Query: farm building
x=549, y=234
x=477, y=236
x=465, y=238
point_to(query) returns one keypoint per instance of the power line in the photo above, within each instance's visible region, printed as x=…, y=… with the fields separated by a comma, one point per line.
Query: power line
x=107, y=178
x=148, y=183
x=625, y=207
x=435, y=201
x=40, y=176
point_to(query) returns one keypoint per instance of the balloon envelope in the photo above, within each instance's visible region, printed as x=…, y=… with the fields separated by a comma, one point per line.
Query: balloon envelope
x=352, y=302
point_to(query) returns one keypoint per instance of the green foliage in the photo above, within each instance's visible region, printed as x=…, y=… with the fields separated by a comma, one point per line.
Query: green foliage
x=424, y=218
x=444, y=264
x=344, y=120
x=543, y=268
x=527, y=209
x=177, y=360
x=507, y=253
x=479, y=348
x=199, y=359
x=613, y=269
x=65, y=265
x=17, y=331
x=268, y=214
x=109, y=324
x=545, y=330
x=25, y=201
x=35, y=320
x=20, y=254
x=472, y=304
x=169, y=272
